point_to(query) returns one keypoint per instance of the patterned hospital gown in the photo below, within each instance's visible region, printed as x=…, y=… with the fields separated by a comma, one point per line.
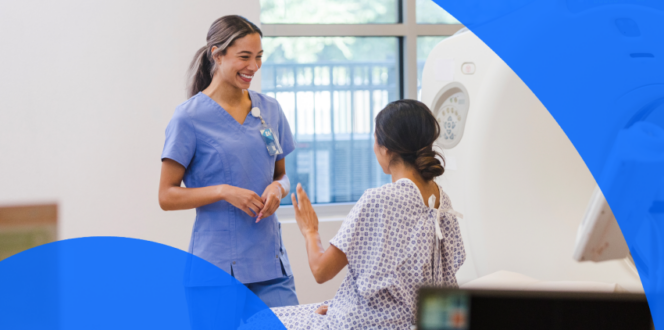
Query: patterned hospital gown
x=392, y=249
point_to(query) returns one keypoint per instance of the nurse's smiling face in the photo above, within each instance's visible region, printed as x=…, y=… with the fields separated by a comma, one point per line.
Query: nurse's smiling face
x=240, y=62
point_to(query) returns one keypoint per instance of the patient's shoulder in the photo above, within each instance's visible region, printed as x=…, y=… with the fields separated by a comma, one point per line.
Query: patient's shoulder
x=445, y=200
x=376, y=196
x=375, y=199
x=369, y=198
x=387, y=196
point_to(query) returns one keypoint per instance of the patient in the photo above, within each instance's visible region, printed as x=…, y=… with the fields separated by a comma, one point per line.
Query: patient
x=391, y=241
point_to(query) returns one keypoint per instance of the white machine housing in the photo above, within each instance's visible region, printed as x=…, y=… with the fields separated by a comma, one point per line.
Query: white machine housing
x=510, y=169
x=599, y=237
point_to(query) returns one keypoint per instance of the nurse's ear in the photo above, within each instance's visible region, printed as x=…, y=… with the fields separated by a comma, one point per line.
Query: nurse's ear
x=215, y=57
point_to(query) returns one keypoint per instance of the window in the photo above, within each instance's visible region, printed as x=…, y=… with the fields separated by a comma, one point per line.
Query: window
x=330, y=11
x=330, y=89
x=333, y=65
x=428, y=12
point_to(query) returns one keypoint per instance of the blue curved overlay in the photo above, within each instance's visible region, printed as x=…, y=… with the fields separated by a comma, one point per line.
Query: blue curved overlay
x=598, y=67
x=122, y=283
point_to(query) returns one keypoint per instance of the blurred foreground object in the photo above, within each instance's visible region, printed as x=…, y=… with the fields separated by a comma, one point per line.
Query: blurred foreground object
x=443, y=308
x=26, y=226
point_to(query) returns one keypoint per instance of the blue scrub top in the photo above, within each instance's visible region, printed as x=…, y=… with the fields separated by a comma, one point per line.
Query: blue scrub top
x=215, y=149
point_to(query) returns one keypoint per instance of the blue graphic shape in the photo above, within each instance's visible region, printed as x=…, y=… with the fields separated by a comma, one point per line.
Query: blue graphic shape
x=598, y=67
x=122, y=283
x=628, y=27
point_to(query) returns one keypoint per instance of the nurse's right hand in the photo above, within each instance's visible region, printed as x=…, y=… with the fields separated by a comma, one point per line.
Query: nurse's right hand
x=244, y=199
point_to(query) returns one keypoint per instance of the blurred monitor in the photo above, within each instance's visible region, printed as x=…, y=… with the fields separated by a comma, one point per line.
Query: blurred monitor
x=599, y=237
x=456, y=309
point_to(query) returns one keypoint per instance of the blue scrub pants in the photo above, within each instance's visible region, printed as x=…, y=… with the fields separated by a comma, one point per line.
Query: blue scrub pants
x=215, y=307
x=278, y=292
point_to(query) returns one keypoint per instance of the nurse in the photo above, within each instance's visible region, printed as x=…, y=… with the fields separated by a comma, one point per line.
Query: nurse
x=228, y=144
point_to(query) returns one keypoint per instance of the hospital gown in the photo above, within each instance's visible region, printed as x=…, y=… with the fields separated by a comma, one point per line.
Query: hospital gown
x=392, y=249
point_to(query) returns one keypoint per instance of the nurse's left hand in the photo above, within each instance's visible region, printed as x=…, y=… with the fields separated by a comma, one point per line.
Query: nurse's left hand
x=271, y=198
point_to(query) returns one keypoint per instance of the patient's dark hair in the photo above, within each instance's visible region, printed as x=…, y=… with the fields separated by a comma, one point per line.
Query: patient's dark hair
x=409, y=129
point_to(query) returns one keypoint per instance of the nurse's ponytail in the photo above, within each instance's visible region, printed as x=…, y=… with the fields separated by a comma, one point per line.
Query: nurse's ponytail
x=223, y=32
x=408, y=129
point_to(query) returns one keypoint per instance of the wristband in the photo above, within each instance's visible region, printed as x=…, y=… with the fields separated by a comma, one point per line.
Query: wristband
x=285, y=184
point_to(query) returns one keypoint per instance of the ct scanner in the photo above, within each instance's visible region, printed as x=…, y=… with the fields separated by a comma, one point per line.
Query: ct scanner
x=510, y=170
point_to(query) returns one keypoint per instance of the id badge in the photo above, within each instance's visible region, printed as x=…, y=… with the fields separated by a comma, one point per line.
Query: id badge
x=271, y=142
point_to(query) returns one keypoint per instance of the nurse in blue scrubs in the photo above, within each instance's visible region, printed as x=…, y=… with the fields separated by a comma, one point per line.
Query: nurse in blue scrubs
x=228, y=144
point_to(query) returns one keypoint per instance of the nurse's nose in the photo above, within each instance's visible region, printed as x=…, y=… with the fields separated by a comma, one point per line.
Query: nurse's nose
x=253, y=66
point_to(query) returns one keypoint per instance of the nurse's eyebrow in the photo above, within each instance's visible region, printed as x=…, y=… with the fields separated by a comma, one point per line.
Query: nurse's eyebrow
x=248, y=52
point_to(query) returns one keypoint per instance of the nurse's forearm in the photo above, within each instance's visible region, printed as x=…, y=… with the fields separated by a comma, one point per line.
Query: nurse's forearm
x=280, y=175
x=180, y=198
x=172, y=196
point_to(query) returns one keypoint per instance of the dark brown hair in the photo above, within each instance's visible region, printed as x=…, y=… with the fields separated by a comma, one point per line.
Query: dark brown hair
x=409, y=129
x=223, y=32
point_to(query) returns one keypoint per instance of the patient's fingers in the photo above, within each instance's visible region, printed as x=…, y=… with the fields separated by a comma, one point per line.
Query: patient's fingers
x=295, y=206
x=322, y=310
x=302, y=195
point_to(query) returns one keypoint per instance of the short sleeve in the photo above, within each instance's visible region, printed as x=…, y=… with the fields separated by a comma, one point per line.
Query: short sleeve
x=285, y=135
x=180, y=142
x=346, y=239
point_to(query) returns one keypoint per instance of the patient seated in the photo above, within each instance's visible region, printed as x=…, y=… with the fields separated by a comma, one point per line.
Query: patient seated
x=391, y=246
x=397, y=237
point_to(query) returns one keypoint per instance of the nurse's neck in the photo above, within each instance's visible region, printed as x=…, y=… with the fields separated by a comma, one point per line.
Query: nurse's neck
x=227, y=95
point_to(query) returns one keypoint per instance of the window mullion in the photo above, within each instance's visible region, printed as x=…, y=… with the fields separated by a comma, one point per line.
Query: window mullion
x=438, y=29
x=358, y=30
x=332, y=30
x=410, y=49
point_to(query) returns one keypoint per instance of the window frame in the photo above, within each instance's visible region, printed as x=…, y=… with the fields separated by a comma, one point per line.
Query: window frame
x=407, y=31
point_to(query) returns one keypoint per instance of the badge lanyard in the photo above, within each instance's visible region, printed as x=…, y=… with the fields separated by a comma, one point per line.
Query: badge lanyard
x=269, y=136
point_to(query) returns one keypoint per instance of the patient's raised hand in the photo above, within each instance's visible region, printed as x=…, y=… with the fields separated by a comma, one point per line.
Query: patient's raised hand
x=305, y=215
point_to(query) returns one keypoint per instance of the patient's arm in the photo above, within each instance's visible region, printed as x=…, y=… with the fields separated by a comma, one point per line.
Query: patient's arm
x=324, y=264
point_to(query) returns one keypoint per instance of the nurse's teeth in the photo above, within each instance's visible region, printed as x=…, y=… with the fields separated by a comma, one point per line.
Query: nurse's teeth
x=248, y=77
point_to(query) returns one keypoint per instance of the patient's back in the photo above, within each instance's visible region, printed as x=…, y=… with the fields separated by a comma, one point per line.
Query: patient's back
x=390, y=242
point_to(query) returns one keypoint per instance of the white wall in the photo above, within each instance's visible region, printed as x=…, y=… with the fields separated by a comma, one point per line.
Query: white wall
x=86, y=91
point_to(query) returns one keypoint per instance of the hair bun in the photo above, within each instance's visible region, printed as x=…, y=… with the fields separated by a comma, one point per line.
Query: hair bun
x=408, y=129
x=427, y=164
